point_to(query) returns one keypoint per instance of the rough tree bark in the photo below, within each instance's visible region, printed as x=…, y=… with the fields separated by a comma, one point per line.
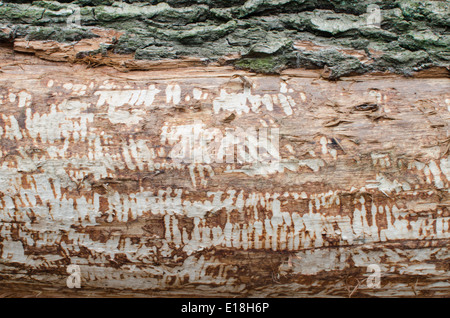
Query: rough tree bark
x=89, y=176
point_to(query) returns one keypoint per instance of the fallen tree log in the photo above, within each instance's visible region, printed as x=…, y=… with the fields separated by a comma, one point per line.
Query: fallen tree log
x=213, y=148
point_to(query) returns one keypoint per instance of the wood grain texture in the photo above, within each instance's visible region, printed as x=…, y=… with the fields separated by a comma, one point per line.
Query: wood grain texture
x=87, y=178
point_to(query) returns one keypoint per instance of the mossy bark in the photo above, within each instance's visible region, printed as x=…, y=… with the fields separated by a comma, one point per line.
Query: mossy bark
x=413, y=34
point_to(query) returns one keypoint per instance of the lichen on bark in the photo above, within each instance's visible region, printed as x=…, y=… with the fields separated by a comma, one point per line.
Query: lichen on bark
x=413, y=34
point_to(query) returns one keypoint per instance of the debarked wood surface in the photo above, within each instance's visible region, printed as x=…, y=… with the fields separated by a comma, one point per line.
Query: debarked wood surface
x=87, y=178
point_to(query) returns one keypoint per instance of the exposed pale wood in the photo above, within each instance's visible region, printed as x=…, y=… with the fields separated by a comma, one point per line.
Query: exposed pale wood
x=86, y=179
